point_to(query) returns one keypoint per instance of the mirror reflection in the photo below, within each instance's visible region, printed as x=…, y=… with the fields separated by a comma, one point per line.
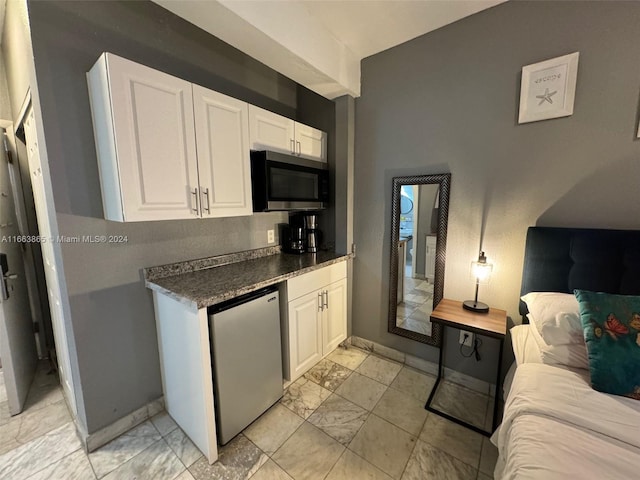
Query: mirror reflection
x=418, y=238
x=417, y=256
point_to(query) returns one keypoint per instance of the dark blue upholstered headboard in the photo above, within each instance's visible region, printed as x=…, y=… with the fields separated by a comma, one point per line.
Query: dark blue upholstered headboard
x=561, y=259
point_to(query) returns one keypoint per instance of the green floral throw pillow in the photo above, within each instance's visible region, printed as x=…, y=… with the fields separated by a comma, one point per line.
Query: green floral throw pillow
x=611, y=326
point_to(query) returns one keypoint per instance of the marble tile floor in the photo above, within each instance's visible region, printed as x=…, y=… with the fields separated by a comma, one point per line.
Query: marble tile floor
x=414, y=312
x=353, y=416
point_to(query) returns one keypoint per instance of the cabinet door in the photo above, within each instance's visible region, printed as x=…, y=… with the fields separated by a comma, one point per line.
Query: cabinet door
x=311, y=142
x=222, y=139
x=334, y=316
x=154, y=140
x=270, y=131
x=305, y=334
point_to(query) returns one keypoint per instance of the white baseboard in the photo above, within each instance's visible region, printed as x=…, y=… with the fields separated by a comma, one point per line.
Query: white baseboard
x=95, y=440
x=426, y=366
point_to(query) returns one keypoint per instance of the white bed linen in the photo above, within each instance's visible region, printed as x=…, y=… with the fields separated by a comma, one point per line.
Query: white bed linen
x=525, y=350
x=570, y=355
x=556, y=426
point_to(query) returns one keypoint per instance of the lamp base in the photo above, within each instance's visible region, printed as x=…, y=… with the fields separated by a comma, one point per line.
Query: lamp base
x=474, y=306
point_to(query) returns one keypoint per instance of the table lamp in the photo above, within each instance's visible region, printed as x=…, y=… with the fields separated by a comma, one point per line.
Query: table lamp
x=481, y=271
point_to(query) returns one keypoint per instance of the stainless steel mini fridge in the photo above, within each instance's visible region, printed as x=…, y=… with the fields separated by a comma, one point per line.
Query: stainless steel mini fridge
x=247, y=359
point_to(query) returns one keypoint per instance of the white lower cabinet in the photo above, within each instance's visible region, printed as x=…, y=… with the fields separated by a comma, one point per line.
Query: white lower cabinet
x=334, y=324
x=305, y=333
x=316, y=317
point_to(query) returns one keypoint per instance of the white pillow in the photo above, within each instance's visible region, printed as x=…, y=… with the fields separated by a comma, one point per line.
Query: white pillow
x=569, y=355
x=556, y=317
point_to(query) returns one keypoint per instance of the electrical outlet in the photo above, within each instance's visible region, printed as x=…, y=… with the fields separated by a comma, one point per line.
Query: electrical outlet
x=271, y=236
x=468, y=341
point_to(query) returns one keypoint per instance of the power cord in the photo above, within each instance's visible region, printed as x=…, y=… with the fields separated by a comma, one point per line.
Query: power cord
x=475, y=350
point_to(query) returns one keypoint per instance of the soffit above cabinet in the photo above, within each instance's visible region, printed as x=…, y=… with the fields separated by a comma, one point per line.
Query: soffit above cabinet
x=320, y=44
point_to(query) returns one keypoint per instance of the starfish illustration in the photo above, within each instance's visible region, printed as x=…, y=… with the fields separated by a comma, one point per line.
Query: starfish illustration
x=546, y=97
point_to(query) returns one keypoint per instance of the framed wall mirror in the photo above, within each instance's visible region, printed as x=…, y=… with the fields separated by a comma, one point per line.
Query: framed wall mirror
x=419, y=217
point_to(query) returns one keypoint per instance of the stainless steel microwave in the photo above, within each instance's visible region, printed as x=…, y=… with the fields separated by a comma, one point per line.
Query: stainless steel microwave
x=284, y=182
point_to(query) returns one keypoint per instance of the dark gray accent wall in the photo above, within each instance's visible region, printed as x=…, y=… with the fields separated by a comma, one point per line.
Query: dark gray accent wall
x=320, y=112
x=448, y=102
x=111, y=311
x=345, y=157
x=345, y=149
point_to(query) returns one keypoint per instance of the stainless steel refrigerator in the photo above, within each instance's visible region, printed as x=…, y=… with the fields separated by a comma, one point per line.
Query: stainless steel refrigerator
x=247, y=359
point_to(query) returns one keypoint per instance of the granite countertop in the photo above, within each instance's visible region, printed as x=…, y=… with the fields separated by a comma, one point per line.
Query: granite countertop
x=205, y=282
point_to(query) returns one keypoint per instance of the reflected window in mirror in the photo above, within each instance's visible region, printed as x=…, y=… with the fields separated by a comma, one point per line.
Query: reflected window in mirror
x=419, y=224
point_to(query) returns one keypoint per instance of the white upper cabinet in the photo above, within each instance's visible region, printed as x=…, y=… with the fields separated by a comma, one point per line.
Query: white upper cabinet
x=270, y=131
x=311, y=142
x=167, y=149
x=222, y=138
x=143, y=124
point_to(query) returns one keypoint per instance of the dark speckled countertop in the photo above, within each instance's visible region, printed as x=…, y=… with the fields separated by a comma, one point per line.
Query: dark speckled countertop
x=204, y=282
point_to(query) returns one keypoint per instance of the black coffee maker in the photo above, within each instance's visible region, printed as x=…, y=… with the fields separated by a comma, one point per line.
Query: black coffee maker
x=296, y=240
x=301, y=234
x=293, y=235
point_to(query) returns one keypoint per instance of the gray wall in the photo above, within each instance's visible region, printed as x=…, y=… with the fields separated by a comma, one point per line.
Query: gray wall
x=111, y=311
x=320, y=112
x=448, y=102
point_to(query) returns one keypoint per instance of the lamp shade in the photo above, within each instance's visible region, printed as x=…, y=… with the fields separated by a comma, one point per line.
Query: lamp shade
x=481, y=271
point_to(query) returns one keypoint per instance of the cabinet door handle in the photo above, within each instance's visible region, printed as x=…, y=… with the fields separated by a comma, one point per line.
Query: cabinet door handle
x=194, y=201
x=292, y=144
x=325, y=303
x=320, y=302
x=299, y=148
x=205, y=192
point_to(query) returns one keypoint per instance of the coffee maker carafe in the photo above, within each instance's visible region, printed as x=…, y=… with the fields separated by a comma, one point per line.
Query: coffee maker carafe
x=311, y=231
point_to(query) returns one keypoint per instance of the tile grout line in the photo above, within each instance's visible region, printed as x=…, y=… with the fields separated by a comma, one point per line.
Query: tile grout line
x=305, y=420
x=89, y=462
x=278, y=449
x=338, y=461
x=59, y=460
x=163, y=437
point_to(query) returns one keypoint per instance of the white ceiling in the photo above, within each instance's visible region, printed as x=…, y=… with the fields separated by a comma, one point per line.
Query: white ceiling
x=320, y=43
x=368, y=27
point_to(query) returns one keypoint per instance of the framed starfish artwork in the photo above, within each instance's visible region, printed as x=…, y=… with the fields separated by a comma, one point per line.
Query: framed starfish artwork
x=548, y=89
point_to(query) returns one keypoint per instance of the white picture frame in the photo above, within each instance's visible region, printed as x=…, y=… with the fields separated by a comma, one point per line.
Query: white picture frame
x=548, y=89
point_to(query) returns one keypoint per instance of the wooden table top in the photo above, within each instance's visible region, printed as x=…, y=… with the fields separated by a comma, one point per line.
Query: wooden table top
x=450, y=313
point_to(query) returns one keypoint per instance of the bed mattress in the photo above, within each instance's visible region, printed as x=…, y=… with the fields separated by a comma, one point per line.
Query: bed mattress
x=556, y=426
